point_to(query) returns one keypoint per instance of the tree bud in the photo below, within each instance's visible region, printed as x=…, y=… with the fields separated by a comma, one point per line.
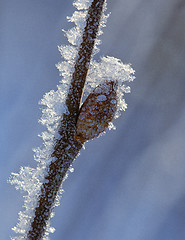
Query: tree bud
x=97, y=111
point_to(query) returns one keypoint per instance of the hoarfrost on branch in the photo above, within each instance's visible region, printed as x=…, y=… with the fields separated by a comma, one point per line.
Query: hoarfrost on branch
x=54, y=102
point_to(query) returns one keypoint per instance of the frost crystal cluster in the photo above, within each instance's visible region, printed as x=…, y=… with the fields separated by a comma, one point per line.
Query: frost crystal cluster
x=108, y=69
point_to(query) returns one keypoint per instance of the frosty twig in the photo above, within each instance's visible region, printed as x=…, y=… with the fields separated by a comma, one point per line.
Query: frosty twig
x=68, y=123
x=66, y=147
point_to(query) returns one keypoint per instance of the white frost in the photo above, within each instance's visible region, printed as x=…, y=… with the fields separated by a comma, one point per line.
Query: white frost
x=82, y=4
x=108, y=68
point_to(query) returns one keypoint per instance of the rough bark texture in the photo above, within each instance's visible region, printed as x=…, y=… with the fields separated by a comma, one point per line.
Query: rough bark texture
x=66, y=148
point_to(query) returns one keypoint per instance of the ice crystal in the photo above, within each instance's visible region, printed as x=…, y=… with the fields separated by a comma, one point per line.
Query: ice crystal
x=82, y=4
x=107, y=69
x=112, y=69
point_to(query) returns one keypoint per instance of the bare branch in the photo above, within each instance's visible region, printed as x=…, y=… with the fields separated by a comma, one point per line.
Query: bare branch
x=66, y=148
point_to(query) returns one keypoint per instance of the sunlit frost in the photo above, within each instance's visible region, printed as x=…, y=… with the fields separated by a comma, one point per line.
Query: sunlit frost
x=53, y=107
x=82, y=4
x=110, y=68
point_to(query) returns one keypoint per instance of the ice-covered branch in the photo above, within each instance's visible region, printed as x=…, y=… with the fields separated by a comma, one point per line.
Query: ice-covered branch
x=66, y=147
x=69, y=123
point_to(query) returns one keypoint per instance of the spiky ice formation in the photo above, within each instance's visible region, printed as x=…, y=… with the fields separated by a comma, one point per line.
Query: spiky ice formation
x=108, y=68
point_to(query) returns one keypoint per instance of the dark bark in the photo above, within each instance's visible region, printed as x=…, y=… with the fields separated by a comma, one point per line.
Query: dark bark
x=66, y=148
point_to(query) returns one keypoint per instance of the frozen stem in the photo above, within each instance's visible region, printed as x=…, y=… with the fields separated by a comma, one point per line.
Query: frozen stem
x=66, y=147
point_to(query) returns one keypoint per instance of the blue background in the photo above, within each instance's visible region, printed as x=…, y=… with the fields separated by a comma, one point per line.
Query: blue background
x=130, y=183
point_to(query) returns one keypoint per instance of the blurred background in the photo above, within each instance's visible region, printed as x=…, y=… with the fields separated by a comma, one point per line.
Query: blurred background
x=130, y=183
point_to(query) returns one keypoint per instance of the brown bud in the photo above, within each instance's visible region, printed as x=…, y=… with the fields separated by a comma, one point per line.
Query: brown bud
x=97, y=111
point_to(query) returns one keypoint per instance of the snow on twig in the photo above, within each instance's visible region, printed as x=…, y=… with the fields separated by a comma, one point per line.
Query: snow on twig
x=64, y=114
